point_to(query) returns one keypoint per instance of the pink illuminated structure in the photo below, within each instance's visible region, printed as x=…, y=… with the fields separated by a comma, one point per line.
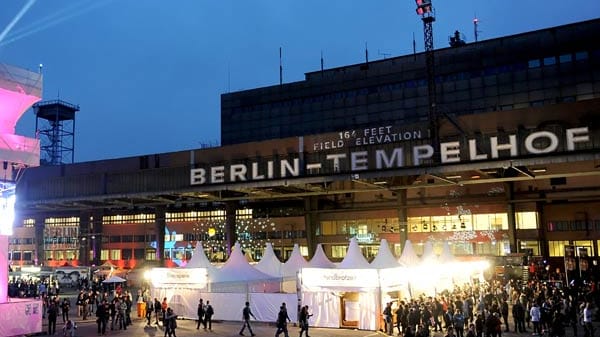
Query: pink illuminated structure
x=19, y=89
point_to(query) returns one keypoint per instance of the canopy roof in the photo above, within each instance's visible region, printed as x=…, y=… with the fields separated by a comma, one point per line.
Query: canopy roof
x=320, y=260
x=384, y=257
x=269, y=263
x=409, y=257
x=114, y=279
x=354, y=258
x=199, y=259
x=237, y=269
x=294, y=263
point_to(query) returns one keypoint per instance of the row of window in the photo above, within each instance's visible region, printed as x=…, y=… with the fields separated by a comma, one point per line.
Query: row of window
x=422, y=82
x=574, y=225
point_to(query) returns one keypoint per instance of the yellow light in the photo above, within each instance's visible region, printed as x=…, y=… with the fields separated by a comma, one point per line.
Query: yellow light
x=212, y=232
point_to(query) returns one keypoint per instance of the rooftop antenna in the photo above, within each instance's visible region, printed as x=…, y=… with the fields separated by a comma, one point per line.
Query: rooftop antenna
x=321, y=63
x=414, y=47
x=475, y=30
x=41, y=66
x=366, y=54
x=280, y=69
x=228, y=77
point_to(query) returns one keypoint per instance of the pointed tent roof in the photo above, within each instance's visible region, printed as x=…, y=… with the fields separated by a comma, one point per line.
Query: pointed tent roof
x=409, y=257
x=446, y=256
x=320, y=260
x=428, y=254
x=237, y=269
x=384, y=257
x=269, y=263
x=114, y=279
x=354, y=258
x=294, y=263
x=199, y=259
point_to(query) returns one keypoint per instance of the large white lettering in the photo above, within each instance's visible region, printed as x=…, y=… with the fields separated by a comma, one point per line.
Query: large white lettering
x=511, y=146
x=577, y=135
x=529, y=146
x=383, y=161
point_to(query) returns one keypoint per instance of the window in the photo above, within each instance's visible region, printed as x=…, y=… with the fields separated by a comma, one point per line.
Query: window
x=526, y=220
x=565, y=58
x=557, y=248
x=581, y=55
x=534, y=63
x=534, y=246
x=115, y=254
x=338, y=252
x=104, y=255
x=548, y=61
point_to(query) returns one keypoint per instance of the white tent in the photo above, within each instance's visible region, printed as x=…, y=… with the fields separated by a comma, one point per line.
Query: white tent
x=428, y=256
x=296, y=262
x=199, y=260
x=269, y=263
x=446, y=256
x=409, y=257
x=114, y=279
x=238, y=275
x=384, y=257
x=320, y=260
x=354, y=258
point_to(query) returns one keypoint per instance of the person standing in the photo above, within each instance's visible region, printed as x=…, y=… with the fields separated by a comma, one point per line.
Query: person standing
x=303, y=318
x=102, y=314
x=246, y=314
x=387, y=318
x=587, y=320
x=282, y=319
x=163, y=306
x=52, y=313
x=65, y=306
x=535, y=314
x=149, y=310
x=157, y=309
x=518, y=312
x=200, y=315
x=208, y=313
x=170, y=323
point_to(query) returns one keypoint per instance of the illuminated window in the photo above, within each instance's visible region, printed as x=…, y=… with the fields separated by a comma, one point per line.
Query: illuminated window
x=584, y=243
x=534, y=246
x=115, y=254
x=104, y=255
x=526, y=220
x=304, y=250
x=338, y=252
x=557, y=248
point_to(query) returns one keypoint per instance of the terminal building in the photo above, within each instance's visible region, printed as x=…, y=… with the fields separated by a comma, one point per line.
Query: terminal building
x=513, y=167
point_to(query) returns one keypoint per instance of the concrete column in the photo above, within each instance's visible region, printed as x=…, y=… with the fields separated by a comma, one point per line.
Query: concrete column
x=544, y=250
x=311, y=223
x=512, y=220
x=84, y=239
x=95, y=240
x=159, y=229
x=230, y=226
x=39, y=227
x=402, y=216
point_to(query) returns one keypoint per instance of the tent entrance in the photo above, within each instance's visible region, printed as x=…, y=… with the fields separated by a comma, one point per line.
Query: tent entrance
x=350, y=310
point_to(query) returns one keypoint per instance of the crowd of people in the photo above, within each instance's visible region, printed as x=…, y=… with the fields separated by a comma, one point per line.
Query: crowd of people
x=540, y=307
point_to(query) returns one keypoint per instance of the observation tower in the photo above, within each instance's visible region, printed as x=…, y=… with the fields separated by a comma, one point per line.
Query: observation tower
x=19, y=89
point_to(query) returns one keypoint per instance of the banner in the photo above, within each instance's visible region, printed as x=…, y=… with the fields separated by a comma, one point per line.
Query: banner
x=583, y=260
x=191, y=278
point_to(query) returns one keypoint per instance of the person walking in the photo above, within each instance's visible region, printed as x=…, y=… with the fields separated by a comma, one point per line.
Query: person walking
x=388, y=319
x=200, y=315
x=102, y=314
x=208, y=314
x=52, y=313
x=65, y=306
x=535, y=314
x=246, y=314
x=157, y=309
x=303, y=319
x=282, y=319
x=170, y=323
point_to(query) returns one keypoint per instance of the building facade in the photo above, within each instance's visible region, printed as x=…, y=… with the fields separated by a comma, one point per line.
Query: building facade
x=347, y=153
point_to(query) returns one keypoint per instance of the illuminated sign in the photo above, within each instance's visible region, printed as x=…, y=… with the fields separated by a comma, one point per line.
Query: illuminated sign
x=324, y=277
x=383, y=156
x=7, y=208
x=191, y=278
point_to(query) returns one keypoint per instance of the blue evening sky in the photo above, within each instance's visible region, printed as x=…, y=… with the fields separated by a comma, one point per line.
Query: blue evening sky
x=148, y=74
